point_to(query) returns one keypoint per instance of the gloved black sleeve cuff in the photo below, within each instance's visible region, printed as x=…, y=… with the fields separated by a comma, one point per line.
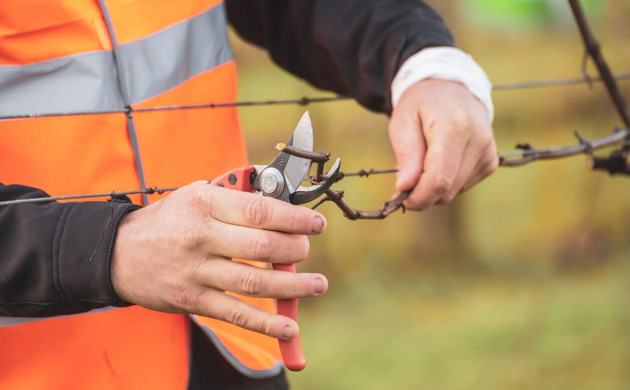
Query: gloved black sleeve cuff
x=55, y=257
x=84, y=252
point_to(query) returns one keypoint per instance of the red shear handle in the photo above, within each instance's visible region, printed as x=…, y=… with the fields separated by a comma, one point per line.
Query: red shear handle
x=291, y=350
x=241, y=179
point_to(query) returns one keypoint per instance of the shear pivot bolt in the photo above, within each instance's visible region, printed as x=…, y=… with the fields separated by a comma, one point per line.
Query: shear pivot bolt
x=271, y=182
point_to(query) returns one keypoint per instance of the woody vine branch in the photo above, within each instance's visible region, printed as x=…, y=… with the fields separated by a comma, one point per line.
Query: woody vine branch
x=617, y=162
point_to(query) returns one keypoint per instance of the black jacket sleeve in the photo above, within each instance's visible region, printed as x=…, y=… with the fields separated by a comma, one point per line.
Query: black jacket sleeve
x=352, y=47
x=55, y=257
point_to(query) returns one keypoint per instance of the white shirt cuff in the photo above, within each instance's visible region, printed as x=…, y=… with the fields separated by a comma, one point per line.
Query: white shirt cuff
x=446, y=63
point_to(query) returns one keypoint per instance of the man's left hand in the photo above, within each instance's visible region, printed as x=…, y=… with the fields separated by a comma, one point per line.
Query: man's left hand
x=442, y=138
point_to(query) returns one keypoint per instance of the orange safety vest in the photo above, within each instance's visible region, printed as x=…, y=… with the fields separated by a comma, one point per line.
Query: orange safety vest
x=83, y=56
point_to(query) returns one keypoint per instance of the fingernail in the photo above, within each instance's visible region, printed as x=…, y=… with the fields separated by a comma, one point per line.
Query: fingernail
x=287, y=333
x=319, y=286
x=317, y=225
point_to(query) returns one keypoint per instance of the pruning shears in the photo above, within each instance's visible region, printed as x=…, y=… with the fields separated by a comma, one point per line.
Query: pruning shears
x=281, y=179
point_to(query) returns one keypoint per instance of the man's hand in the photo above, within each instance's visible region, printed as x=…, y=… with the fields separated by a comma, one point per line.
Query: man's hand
x=443, y=142
x=175, y=255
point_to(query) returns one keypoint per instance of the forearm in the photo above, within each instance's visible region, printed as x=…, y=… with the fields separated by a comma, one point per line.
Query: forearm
x=351, y=47
x=55, y=257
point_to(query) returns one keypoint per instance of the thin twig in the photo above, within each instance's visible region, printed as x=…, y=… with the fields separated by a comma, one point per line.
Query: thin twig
x=618, y=160
x=352, y=214
x=316, y=157
x=593, y=49
x=529, y=154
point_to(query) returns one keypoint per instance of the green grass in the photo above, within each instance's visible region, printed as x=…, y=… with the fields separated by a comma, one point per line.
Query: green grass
x=476, y=331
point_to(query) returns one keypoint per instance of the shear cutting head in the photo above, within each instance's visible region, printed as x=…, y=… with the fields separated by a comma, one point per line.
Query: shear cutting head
x=282, y=178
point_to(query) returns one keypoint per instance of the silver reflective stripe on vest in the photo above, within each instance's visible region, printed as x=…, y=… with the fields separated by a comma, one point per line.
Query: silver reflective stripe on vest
x=174, y=55
x=82, y=82
x=12, y=321
x=87, y=82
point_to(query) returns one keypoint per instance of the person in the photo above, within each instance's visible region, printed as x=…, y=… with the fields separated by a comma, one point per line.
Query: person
x=109, y=294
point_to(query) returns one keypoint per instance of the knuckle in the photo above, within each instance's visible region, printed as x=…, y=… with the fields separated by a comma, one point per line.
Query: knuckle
x=492, y=166
x=252, y=283
x=461, y=121
x=488, y=142
x=448, y=197
x=267, y=326
x=431, y=122
x=261, y=247
x=490, y=149
x=203, y=200
x=193, y=238
x=238, y=317
x=256, y=212
x=294, y=221
x=188, y=300
x=442, y=183
x=490, y=160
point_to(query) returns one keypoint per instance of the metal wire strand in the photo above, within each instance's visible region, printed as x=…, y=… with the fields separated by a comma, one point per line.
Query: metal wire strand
x=304, y=101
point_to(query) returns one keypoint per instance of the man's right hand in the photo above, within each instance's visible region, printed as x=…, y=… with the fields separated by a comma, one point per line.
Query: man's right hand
x=176, y=256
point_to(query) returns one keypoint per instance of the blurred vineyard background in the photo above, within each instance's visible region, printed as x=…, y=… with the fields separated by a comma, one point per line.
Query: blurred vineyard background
x=522, y=283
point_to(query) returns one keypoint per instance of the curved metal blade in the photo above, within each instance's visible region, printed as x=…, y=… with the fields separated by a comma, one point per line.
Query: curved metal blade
x=307, y=194
x=297, y=168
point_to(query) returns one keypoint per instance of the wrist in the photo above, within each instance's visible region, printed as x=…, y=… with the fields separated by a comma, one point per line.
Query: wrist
x=446, y=63
x=119, y=249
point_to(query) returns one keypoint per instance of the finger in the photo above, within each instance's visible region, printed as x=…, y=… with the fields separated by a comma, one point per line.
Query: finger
x=441, y=166
x=487, y=166
x=246, y=209
x=466, y=170
x=216, y=304
x=405, y=133
x=476, y=158
x=233, y=241
x=260, y=282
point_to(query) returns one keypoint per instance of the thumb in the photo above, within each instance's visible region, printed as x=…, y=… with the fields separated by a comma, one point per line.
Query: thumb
x=405, y=133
